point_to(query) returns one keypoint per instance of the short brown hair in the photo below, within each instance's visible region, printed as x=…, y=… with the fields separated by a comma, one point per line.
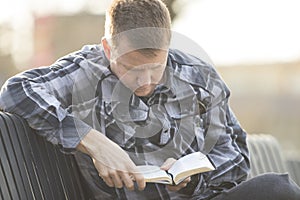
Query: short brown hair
x=147, y=23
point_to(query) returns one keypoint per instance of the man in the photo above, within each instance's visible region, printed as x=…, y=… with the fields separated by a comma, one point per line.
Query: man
x=134, y=101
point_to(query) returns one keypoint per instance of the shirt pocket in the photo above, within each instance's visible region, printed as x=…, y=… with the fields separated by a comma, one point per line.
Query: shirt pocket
x=189, y=122
x=124, y=113
x=183, y=108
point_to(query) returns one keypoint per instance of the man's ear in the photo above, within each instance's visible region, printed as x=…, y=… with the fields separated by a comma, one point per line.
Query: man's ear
x=106, y=48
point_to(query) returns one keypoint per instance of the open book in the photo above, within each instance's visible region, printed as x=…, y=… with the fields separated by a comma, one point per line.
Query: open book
x=184, y=167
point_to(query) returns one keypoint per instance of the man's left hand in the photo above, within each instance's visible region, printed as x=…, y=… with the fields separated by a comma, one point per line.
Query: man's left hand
x=166, y=166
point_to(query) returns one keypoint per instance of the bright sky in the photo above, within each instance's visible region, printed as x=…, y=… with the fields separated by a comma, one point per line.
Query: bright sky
x=230, y=31
x=239, y=31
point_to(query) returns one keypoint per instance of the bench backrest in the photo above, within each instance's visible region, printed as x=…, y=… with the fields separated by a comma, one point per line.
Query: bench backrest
x=265, y=155
x=31, y=168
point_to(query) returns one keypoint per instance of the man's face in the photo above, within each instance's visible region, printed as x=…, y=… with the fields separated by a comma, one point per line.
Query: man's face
x=139, y=72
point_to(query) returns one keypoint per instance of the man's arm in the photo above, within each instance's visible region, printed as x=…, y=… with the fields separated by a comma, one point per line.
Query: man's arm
x=229, y=151
x=113, y=164
x=42, y=96
x=166, y=166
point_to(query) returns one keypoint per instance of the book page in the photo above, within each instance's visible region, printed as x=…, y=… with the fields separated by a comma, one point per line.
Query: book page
x=155, y=174
x=188, y=165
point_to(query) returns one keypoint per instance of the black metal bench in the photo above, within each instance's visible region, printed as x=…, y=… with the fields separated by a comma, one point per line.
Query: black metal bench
x=266, y=156
x=32, y=168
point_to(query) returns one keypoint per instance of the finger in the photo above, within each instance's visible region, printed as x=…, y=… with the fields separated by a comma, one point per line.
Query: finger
x=116, y=179
x=176, y=187
x=108, y=181
x=140, y=180
x=168, y=163
x=180, y=185
x=172, y=188
x=137, y=176
x=128, y=181
x=103, y=173
x=187, y=180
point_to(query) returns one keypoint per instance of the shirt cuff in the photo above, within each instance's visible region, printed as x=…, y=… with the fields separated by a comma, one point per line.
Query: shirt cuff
x=73, y=130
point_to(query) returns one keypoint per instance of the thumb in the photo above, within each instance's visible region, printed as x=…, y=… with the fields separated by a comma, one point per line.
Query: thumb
x=168, y=164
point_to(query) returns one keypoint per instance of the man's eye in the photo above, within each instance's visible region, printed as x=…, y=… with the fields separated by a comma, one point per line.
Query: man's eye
x=158, y=67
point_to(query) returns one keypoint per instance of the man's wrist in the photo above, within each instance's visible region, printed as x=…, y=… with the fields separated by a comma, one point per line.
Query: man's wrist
x=90, y=141
x=81, y=148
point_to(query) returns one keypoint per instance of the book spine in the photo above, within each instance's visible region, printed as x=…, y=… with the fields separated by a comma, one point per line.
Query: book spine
x=172, y=177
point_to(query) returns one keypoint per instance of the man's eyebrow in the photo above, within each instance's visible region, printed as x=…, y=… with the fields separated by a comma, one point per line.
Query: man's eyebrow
x=124, y=64
x=148, y=66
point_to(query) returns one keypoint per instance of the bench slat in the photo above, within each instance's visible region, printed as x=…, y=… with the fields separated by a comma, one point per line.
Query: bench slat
x=32, y=168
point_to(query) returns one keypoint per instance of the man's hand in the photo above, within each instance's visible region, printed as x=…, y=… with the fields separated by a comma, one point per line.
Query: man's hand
x=113, y=164
x=166, y=166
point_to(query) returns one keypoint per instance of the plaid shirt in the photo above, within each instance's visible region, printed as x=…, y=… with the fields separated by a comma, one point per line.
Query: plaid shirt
x=186, y=113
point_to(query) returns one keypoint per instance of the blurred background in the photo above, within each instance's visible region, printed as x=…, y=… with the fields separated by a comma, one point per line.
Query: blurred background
x=254, y=44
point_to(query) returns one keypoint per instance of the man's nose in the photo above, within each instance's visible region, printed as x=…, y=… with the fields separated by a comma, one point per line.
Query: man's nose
x=144, y=78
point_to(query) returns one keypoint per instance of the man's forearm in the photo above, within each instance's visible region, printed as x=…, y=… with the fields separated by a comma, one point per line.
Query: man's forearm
x=113, y=164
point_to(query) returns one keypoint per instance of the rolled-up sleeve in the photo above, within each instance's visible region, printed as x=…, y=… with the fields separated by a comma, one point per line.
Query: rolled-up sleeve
x=41, y=96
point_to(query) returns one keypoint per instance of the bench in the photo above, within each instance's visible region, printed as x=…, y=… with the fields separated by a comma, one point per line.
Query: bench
x=266, y=156
x=32, y=168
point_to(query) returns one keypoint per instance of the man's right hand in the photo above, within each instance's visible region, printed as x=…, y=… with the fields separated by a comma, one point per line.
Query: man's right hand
x=113, y=164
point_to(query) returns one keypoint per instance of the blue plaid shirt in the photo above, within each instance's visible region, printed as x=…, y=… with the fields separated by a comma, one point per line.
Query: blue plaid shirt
x=187, y=112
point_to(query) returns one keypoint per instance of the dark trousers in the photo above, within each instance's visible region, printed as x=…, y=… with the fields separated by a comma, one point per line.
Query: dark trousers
x=264, y=187
x=269, y=186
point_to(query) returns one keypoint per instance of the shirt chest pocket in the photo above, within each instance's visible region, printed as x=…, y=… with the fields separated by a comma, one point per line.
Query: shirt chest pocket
x=183, y=114
x=187, y=114
x=124, y=113
x=183, y=108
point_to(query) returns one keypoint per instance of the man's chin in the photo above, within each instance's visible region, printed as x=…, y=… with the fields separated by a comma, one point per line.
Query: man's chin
x=143, y=93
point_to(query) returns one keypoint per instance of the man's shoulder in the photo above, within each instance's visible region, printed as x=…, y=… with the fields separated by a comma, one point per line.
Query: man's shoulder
x=185, y=58
x=89, y=57
x=192, y=69
x=93, y=53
